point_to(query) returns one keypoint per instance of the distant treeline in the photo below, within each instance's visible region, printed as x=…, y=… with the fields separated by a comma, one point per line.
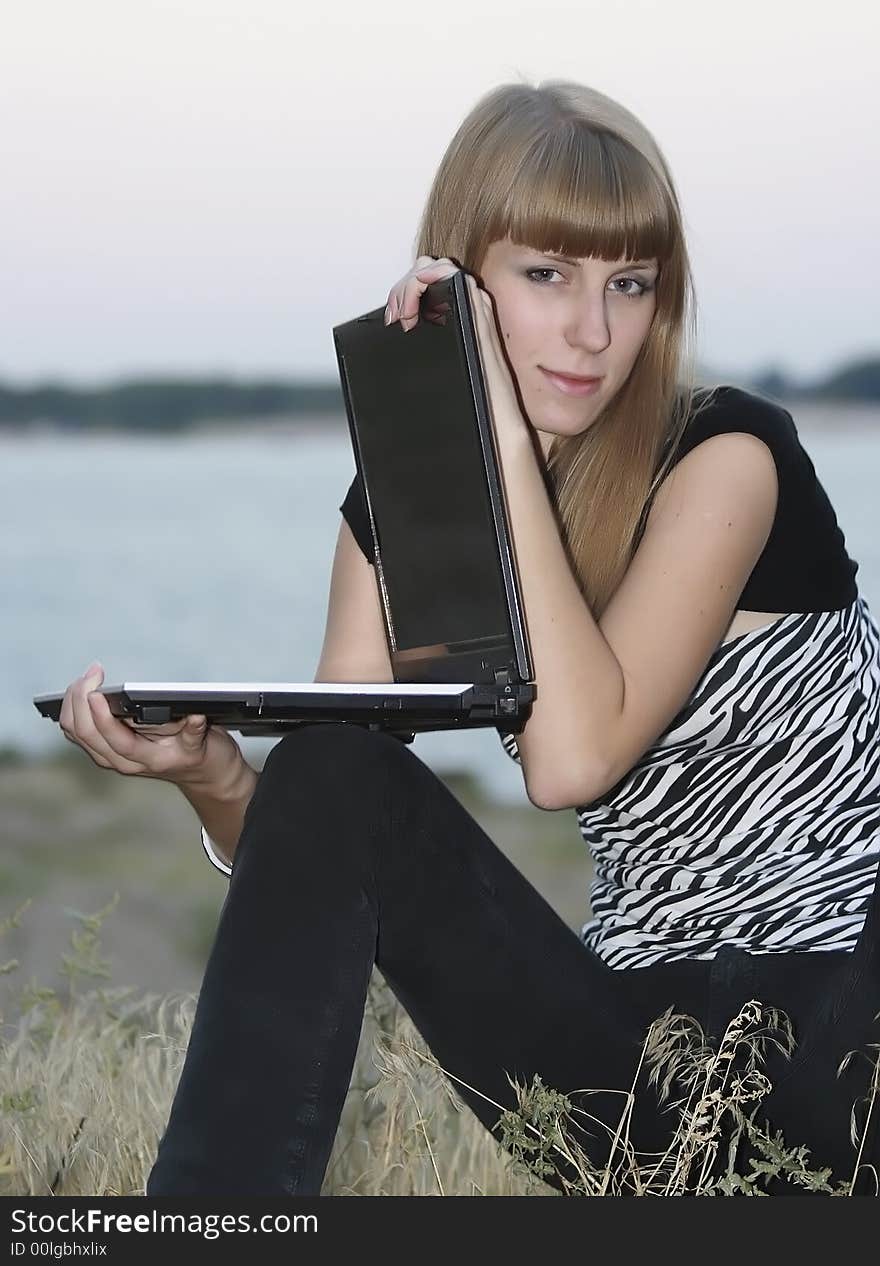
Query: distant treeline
x=857, y=381
x=171, y=404
x=164, y=404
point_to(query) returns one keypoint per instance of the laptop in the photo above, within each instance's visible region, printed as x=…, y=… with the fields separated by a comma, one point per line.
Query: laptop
x=425, y=453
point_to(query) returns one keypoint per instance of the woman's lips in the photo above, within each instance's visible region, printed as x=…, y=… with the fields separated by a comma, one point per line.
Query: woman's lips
x=572, y=386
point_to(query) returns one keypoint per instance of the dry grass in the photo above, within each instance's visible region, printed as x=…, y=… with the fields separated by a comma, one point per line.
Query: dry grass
x=89, y=1076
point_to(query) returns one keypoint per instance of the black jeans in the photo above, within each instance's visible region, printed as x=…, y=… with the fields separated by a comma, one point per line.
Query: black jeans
x=354, y=852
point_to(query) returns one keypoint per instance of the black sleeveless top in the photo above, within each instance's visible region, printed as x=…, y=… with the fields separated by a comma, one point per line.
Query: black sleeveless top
x=804, y=565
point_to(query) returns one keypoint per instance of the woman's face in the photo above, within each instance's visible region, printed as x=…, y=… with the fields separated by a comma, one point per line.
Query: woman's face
x=583, y=317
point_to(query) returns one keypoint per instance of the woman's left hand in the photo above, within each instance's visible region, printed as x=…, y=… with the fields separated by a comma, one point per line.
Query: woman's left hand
x=405, y=295
x=403, y=305
x=503, y=399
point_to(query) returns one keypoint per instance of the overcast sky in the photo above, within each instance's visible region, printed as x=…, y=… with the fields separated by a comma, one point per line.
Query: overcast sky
x=209, y=185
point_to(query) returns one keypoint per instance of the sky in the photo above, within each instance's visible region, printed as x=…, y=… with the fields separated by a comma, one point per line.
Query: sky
x=202, y=186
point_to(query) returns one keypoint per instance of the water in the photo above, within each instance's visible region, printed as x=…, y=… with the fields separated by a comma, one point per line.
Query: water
x=207, y=557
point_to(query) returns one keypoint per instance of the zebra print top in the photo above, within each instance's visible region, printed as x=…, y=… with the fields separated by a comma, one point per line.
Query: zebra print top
x=755, y=819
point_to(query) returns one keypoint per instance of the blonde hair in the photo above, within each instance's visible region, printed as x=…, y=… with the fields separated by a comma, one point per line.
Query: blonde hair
x=561, y=167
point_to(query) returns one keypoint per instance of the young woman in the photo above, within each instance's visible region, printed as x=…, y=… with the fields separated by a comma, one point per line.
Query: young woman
x=708, y=704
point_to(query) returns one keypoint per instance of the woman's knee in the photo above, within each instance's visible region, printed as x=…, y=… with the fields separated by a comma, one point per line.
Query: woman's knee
x=326, y=777
x=339, y=751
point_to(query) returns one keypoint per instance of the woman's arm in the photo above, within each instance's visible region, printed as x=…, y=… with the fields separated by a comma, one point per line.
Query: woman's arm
x=607, y=689
x=355, y=647
x=221, y=806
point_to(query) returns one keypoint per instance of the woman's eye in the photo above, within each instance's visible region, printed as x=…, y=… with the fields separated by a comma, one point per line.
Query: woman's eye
x=642, y=287
x=530, y=273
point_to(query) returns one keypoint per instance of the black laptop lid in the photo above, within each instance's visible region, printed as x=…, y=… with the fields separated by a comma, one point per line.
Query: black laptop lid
x=424, y=450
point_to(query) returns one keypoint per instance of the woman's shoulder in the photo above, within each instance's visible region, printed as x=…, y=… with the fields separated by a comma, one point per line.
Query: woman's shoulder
x=726, y=408
x=805, y=565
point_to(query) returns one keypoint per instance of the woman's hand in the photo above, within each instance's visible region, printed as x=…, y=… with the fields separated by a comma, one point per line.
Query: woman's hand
x=507, y=415
x=186, y=752
x=403, y=305
x=404, y=296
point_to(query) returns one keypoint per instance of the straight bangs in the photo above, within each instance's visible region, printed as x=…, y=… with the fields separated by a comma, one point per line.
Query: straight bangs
x=585, y=193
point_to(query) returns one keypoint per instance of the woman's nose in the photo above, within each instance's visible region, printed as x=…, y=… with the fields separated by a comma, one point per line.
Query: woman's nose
x=588, y=325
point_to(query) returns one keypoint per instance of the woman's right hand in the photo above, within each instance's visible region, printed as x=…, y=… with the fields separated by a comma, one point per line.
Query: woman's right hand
x=186, y=752
x=404, y=295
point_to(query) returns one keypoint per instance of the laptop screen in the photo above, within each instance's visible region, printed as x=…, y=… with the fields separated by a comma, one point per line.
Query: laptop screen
x=422, y=456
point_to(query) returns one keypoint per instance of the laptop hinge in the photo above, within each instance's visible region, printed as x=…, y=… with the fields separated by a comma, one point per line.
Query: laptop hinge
x=502, y=676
